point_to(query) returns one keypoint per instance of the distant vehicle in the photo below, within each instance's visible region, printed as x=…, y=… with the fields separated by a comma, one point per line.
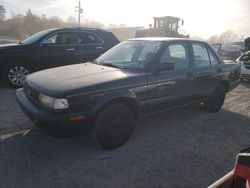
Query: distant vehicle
x=239, y=177
x=137, y=76
x=244, y=61
x=52, y=48
x=166, y=26
x=229, y=51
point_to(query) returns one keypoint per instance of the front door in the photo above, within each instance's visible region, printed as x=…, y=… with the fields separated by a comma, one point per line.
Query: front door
x=173, y=84
x=62, y=49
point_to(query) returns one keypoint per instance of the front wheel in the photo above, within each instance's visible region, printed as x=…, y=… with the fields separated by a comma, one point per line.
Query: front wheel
x=15, y=74
x=216, y=100
x=113, y=127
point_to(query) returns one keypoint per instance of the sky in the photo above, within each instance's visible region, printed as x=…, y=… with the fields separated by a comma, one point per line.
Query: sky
x=203, y=18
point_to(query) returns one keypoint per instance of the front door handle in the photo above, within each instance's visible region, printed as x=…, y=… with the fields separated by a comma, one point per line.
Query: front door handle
x=190, y=75
x=99, y=47
x=70, y=49
x=219, y=69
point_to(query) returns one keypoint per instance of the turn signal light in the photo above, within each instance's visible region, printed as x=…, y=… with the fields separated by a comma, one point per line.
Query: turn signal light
x=77, y=118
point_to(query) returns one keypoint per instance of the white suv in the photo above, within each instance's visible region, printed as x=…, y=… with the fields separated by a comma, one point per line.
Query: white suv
x=244, y=60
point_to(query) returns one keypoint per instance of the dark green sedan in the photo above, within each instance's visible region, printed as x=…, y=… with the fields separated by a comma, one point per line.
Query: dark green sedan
x=136, y=77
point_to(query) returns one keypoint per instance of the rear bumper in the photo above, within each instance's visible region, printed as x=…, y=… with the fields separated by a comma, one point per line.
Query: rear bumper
x=53, y=121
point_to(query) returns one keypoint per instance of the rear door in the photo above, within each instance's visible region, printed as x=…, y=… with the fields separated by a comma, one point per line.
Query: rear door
x=170, y=88
x=92, y=46
x=207, y=69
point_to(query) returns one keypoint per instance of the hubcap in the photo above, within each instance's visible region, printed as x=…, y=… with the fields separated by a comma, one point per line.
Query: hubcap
x=17, y=75
x=115, y=130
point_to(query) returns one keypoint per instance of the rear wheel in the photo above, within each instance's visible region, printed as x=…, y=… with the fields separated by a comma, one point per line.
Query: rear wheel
x=15, y=74
x=113, y=127
x=216, y=100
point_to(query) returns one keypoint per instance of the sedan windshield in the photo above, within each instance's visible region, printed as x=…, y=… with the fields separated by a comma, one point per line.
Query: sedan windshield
x=35, y=37
x=130, y=54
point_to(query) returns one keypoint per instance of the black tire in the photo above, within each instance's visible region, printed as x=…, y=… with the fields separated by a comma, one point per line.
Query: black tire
x=114, y=127
x=216, y=100
x=14, y=74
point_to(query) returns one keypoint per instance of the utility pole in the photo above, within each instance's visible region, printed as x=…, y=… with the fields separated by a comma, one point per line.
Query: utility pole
x=79, y=10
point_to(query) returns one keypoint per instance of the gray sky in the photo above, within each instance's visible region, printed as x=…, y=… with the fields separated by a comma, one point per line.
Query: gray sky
x=202, y=17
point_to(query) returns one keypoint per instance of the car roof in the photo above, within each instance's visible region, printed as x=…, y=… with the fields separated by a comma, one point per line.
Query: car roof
x=164, y=39
x=80, y=29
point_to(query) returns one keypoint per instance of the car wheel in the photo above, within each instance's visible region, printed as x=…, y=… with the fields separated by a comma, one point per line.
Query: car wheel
x=15, y=74
x=216, y=100
x=113, y=127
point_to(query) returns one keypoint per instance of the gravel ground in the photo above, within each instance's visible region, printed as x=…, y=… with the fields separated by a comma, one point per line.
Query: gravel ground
x=182, y=148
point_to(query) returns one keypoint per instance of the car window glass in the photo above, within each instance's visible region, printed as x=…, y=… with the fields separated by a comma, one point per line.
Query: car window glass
x=148, y=52
x=66, y=38
x=176, y=54
x=52, y=39
x=213, y=59
x=87, y=38
x=62, y=38
x=201, y=57
x=131, y=54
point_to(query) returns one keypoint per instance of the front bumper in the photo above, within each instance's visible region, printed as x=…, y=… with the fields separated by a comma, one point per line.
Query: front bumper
x=53, y=121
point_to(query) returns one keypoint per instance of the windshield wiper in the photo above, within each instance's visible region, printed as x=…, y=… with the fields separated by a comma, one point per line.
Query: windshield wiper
x=112, y=65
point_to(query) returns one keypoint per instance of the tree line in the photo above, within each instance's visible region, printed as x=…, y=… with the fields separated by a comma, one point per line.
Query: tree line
x=20, y=26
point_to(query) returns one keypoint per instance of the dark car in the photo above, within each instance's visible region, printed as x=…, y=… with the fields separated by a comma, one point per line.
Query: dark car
x=135, y=77
x=52, y=48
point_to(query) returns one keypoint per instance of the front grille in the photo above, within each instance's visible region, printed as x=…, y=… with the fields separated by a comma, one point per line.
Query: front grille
x=31, y=93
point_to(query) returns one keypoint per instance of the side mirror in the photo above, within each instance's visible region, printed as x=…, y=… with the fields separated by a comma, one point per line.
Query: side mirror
x=47, y=42
x=166, y=66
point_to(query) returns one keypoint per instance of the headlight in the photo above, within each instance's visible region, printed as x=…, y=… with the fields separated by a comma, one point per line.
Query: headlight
x=53, y=103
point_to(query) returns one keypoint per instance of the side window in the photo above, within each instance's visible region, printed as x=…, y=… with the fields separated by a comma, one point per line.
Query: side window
x=201, y=57
x=148, y=52
x=62, y=38
x=213, y=59
x=177, y=55
x=66, y=38
x=52, y=39
x=88, y=38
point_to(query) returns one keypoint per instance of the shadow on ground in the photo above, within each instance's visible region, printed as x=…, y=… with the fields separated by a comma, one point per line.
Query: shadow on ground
x=171, y=149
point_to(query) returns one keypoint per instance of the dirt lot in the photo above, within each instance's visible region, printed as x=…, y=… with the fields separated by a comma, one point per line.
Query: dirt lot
x=182, y=148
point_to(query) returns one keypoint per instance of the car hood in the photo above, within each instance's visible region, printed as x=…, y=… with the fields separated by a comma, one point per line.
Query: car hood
x=8, y=46
x=68, y=80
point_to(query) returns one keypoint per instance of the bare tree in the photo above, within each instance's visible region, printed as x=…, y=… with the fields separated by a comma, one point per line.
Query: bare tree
x=2, y=12
x=227, y=36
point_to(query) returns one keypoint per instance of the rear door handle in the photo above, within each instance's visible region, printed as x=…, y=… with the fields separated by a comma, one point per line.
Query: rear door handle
x=70, y=49
x=99, y=47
